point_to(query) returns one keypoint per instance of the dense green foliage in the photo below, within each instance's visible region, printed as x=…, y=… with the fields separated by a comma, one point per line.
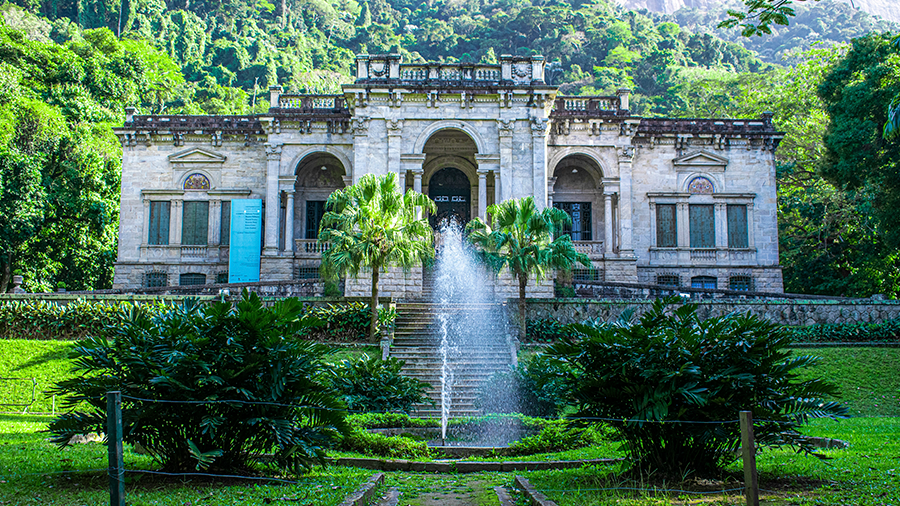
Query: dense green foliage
x=672, y=366
x=544, y=330
x=40, y=319
x=534, y=388
x=886, y=332
x=346, y=322
x=523, y=240
x=208, y=386
x=375, y=385
x=559, y=436
x=379, y=445
x=371, y=225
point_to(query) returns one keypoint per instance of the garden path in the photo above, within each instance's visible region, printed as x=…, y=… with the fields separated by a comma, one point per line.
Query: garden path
x=411, y=489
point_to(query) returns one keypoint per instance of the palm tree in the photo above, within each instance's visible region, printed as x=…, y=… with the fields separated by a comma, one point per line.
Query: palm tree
x=372, y=225
x=522, y=240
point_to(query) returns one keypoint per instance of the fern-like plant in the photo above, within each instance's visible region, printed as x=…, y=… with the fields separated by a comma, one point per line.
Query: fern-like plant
x=674, y=367
x=208, y=386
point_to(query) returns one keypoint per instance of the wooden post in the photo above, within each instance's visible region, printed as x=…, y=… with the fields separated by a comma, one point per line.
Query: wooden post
x=116, y=469
x=748, y=451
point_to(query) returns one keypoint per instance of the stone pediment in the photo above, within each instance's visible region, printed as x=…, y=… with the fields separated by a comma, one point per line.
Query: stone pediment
x=196, y=157
x=701, y=160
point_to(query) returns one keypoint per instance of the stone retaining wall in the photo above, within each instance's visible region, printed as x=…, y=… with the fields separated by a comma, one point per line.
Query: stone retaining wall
x=785, y=312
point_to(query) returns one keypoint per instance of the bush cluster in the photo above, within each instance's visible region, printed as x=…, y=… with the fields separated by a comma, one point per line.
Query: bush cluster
x=886, y=332
x=375, y=385
x=40, y=319
x=544, y=330
x=559, y=436
x=389, y=421
x=534, y=388
x=347, y=322
x=379, y=445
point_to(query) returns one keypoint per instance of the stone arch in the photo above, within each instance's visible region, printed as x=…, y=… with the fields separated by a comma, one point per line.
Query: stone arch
x=462, y=126
x=322, y=150
x=599, y=171
x=317, y=174
x=577, y=188
x=435, y=164
x=190, y=172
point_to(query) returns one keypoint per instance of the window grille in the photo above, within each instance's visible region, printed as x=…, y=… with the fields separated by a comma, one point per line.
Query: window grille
x=307, y=272
x=666, y=226
x=585, y=275
x=580, y=213
x=668, y=280
x=704, y=282
x=192, y=278
x=222, y=277
x=703, y=226
x=315, y=209
x=195, y=224
x=737, y=226
x=742, y=283
x=159, y=223
x=225, y=224
x=155, y=279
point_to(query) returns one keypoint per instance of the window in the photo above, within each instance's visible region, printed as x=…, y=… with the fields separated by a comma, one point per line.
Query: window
x=668, y=280
x=580, y=213
x=741, y=283
x=195, y=225
x=222, y=277
x=666, y=226
x=307, y=272
x=159, y=223
x=155, y=279
x=585, y=275
x=225, y=227
x=737, y=226
x=315, y=209
x=192, y=278
x=703, y=226
x=705, y=282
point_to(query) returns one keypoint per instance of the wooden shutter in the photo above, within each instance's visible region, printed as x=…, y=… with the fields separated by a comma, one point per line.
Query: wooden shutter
x=703, y=226
x=195, y=225
x=737, y=226
x=666, y=226
x=159, y=223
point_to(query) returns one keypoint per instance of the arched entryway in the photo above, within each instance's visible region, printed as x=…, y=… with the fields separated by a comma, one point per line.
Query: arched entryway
x=451, y=191
x=318, y=175
x=577, y=190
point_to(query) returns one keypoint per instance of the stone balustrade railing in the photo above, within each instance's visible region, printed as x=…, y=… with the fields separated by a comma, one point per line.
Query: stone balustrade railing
x=312, y=103
x=450, y=72
x=310, y=247
x=586, y=106
x=593, y=249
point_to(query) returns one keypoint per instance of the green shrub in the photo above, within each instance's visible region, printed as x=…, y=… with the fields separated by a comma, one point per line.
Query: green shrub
x=389, y=421
x=888, y=331
x=347, y=322
x=206, y=355
x=676, y=366
x=559, y=437
x=375, y=385
x=544, y=330
x=40, y=319
x=379, y=445
x=534, y=388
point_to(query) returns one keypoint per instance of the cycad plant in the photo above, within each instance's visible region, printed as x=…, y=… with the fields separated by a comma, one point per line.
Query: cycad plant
x=372, y=225
x=526, y=241
x=674, y=383
x=208, y=386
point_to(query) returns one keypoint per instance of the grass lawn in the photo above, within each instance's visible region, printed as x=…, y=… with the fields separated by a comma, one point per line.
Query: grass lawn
x=867, y=473
x=869, y=377
x=33, y=471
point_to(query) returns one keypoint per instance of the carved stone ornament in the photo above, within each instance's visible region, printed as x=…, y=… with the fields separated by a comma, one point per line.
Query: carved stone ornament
x=506, y=126
x=360, y=125
x=626, y=153
x=522, y=70
x=196, y=182
x=539, y=125
x=394, y=126
x=273, y=151
x=378, y=68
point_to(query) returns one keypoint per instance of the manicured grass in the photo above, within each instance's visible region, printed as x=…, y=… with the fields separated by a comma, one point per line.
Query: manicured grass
x=45, y=361
x=868, y=377
x=867, y=473
x=34, y=471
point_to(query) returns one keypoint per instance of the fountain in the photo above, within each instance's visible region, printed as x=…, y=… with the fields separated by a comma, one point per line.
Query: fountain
x=472, y=329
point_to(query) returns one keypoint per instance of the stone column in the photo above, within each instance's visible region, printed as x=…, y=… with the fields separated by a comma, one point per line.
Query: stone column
x=653, y=239
x=505, y=132
x=361, y=160
x=751, y=224
x=289, y=223
x=626, y=226
x=175, y=219
x=394, y=129
x=145, y=225
x=608, y=224
x=482, y=193
x=497, y=198
x=721, y=225
x=681, y=223
x=417, y=179
x=539, y=161
x=273, y=163
x=215, y=222
x=551, y=183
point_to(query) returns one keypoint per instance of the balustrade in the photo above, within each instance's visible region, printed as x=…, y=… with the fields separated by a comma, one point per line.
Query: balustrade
x=589, y=248
x=310, y=247
x=193, y=252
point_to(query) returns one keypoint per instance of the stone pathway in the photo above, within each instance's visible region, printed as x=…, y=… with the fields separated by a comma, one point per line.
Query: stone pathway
x=443, y=490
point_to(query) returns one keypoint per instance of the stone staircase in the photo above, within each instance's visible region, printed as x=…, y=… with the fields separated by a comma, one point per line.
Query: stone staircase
x=417, y=340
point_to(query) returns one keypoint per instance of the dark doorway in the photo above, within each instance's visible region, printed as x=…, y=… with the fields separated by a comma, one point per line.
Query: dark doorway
x=449, y=188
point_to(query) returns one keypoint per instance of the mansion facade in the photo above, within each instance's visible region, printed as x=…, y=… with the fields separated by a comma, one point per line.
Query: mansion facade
x=687, y=202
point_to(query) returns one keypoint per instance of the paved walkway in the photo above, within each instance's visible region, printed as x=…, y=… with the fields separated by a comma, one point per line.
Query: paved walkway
x=409, y=489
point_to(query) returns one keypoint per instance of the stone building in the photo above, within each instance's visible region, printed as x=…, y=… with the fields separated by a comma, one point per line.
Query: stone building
x=653, y=200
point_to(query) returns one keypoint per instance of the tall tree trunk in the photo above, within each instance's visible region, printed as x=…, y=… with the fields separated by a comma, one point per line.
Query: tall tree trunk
x=373, y=304
x=523, y=325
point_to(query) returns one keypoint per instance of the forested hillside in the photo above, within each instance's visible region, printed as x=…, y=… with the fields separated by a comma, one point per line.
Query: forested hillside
x=70, y=67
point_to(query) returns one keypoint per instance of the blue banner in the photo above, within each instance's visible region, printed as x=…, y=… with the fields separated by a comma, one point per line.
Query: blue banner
x=246, y=239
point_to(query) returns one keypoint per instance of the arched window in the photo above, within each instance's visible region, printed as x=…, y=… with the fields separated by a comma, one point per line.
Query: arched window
x=700, y=186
